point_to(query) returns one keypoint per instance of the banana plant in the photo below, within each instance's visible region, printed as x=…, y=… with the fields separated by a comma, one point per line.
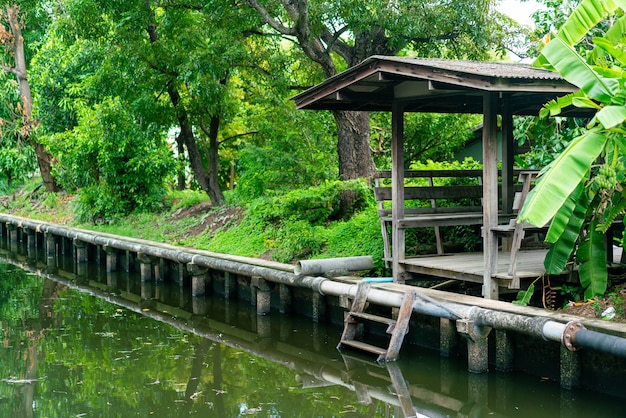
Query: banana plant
x=581, y=192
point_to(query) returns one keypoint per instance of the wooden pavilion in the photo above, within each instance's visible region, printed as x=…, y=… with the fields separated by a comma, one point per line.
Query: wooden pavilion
x=402, y=84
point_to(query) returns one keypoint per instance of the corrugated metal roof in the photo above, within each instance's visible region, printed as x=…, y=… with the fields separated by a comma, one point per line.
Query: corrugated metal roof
x=481, y=68
x=436, y=85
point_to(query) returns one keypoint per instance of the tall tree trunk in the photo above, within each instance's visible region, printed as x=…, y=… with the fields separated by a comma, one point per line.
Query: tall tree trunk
x=181, y=183
x=44, y=159
x=186, y=135
x=214, y=159
x=353, y=145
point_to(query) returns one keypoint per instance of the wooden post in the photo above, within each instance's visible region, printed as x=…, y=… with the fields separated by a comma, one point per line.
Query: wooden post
x=397, y=191
x=490, y=194
x=508, y=155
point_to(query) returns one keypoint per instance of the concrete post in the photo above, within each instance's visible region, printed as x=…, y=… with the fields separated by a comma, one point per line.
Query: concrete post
x=447, y=337
x=145, y=267
x=199, y=279
x=504, y=351
x=51, y=245
x=570, y=368
x=112, y=279
x=319, y=307
x=477, y=347
x=263, y=295
x=230, y=286
x=31, y=243
x=12, y=231
x=81, y=251
x=111, y=258
x=285, y=298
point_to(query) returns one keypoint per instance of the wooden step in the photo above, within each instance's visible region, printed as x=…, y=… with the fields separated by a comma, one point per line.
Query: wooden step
x=360, y=345
x=373, y=318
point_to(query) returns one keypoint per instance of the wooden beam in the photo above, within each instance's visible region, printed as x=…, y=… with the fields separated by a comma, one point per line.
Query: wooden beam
x=508, y=154
x=490, y=193
x=397, y=191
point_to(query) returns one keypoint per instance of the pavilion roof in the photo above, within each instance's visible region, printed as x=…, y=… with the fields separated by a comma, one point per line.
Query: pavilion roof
x=436, y=85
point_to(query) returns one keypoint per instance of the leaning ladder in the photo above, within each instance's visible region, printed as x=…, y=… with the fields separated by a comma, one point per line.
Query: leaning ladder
x=397, y=327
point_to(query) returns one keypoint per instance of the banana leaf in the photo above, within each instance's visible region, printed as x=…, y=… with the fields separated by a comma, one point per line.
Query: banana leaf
x=575, y=69
x=610, y=116
x=562, y=248
x=591, y=256
x=608, y=46
x=585, y=17
x=565, y=174
x=572, y=209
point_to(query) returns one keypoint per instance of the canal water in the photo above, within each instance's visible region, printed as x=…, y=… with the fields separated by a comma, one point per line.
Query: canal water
x=96, y=346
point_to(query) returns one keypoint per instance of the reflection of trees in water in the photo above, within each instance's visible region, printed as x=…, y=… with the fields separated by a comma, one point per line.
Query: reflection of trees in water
x=34, y=331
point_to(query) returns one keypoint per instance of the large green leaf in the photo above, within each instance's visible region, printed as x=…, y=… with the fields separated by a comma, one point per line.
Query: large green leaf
x=608, y=46
x=565, y=243
x=565, y=173
x=611, y=116
x=566, y=214
x=575, y=69
x=584, y=18
x=591, y=256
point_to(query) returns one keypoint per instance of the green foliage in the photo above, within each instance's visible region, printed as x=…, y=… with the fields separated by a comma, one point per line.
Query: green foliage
x=524, y=296
x=117, y=165
x=599, y=75
x=301, y=223
x=427, y=136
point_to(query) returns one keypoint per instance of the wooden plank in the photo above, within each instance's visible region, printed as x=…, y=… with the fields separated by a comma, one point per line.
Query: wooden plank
x=365, y=347
x=490, y=193
x=402, y=326
x=435, y=192
x=397, y=186
x=373, y=318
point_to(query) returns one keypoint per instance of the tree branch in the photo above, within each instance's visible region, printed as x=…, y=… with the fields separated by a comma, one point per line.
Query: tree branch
x=275, y=24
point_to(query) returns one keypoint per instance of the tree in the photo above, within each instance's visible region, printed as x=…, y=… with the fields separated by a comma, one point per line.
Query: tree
x=12, y=41
x=581, y=193
x=340, y=34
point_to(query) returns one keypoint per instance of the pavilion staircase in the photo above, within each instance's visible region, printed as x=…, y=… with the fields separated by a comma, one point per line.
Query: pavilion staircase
x=397, y=327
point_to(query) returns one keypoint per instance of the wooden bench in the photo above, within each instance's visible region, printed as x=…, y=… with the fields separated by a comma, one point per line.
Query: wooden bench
x=469, y=212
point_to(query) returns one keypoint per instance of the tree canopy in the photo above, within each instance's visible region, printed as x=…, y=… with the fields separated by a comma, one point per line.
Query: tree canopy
x=203, y=88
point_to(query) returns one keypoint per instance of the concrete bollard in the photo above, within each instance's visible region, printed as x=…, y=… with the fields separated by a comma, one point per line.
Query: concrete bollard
x=51, y=245
x=504, y=351
x=263, y=295
x=477, y=347
x=111, y=258
x=198, y=279
x=286, y=298
x=81, y=251
x=145, y=266
x=447, y=337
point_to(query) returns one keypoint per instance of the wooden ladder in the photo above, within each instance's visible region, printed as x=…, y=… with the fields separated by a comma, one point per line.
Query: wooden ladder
x=397, y=328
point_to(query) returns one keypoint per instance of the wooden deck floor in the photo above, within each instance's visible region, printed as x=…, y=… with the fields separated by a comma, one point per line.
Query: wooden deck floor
x=469, y=266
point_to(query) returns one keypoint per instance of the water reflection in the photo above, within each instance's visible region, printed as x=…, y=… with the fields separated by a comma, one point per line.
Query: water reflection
x=85, y=342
